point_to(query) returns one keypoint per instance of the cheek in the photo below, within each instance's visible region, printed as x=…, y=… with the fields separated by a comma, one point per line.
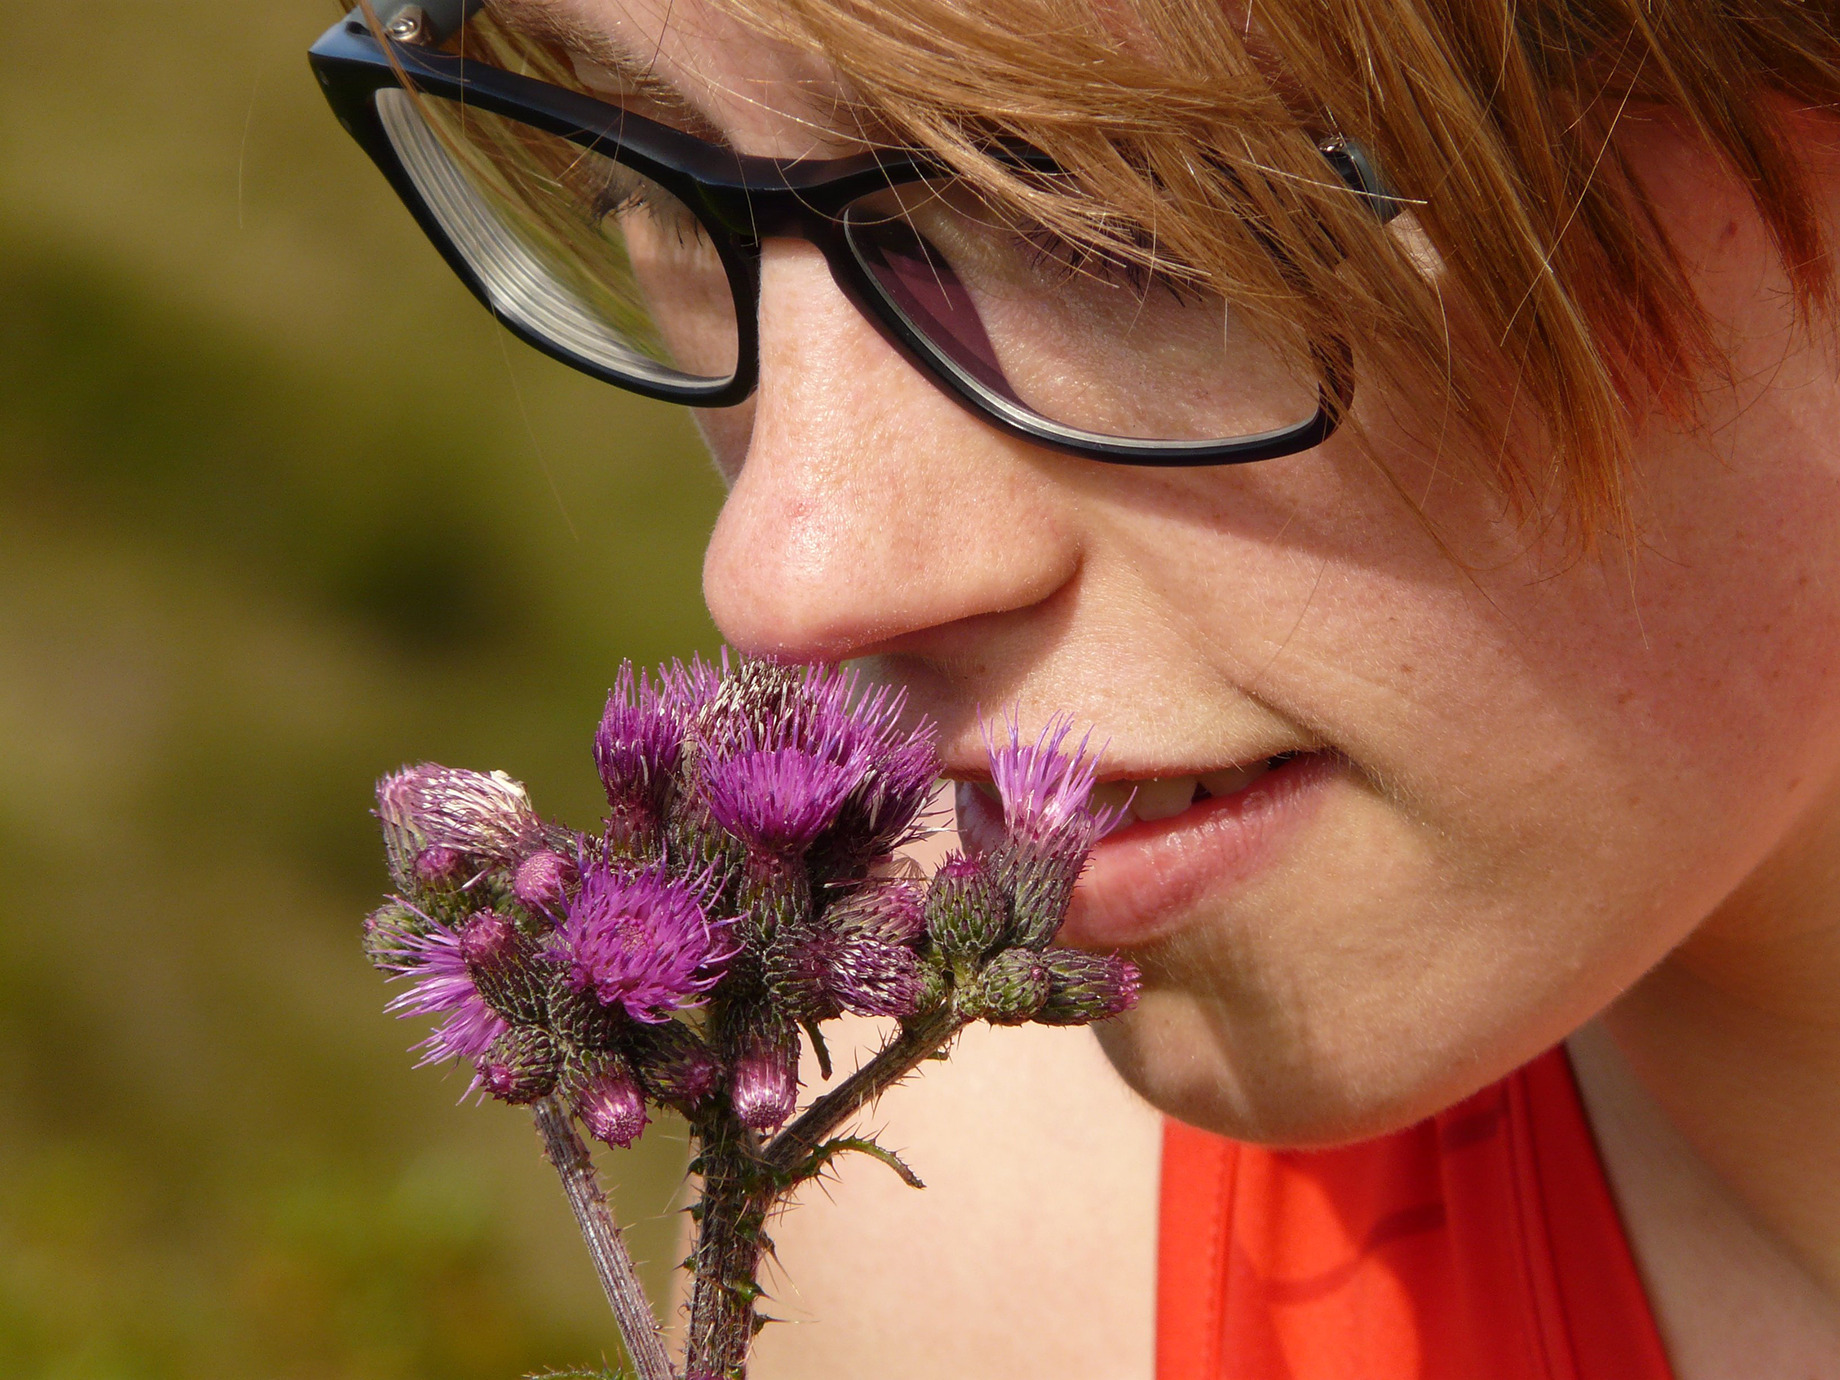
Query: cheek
x=1561, y=768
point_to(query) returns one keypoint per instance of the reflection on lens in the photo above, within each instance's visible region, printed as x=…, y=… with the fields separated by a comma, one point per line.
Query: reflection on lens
x=578, y=249
x=1104, y=349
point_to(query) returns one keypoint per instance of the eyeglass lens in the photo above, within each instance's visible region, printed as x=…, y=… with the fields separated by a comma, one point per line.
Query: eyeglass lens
x=1097, y=346
x=596, y=257
x=575, y=247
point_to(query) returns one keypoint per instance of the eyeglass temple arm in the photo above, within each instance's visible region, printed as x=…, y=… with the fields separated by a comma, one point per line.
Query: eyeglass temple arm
x=426, y=21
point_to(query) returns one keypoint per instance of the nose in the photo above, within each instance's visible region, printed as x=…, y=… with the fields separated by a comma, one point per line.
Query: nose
x=871, y=512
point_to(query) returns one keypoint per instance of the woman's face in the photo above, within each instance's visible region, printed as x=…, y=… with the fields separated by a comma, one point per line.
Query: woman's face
x=1520, y=778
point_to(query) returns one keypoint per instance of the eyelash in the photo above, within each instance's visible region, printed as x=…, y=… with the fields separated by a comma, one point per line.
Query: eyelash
x=1067, y=260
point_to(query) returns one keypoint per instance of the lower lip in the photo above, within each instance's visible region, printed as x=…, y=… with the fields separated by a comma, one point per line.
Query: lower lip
x=1143, y=881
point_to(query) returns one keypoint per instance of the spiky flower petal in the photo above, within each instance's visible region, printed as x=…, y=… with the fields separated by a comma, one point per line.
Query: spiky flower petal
x=440, y=985
x=640, y=940
x=776, y=799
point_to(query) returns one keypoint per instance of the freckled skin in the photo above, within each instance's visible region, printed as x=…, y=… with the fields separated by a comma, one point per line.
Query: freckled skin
x=1569, y=777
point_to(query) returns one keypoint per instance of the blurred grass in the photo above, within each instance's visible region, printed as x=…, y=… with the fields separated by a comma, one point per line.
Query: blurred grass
x=279, y=510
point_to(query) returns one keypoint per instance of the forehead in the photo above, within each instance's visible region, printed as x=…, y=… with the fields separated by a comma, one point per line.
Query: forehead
x=758, y=92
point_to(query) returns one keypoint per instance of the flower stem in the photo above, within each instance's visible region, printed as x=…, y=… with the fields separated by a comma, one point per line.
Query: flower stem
x=632, y=1311
x=917, y=1042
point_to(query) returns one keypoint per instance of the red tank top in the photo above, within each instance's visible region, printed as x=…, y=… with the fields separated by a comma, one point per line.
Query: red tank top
x=1482, y=1244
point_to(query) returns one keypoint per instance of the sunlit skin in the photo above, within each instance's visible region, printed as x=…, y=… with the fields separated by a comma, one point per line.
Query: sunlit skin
x=1551, y=786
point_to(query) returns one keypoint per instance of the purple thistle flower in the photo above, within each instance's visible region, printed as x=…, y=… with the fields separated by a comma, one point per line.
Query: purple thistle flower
x=543, y=880
x=1046, y=790
x=640, y=940
x=440, y=985
x=640, y=738
x=472, y=814
x=765, y=1086
x=776, y=799
x=612, y=1106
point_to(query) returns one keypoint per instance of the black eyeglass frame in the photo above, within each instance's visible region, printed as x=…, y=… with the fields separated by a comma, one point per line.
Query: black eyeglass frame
x=743, y=200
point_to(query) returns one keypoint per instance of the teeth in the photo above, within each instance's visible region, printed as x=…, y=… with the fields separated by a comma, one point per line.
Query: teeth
x=1114, y=795
x=1235, y=779
x=1161, y=799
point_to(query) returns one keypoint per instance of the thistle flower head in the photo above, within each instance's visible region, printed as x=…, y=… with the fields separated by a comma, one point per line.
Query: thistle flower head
x=776, y=799
x=791, y=752
x=639, y=939
x=441, y=815
x=611, y=1105
x=439, y=985
x=640, y=738
x=1046, y=787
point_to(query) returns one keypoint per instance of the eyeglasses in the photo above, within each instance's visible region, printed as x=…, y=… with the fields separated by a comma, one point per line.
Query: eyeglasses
x=631, y=251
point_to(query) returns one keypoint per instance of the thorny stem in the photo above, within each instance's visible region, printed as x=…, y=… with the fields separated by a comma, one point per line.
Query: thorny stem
x=632, y=1311
x=744, y=1183
x=895, y=1060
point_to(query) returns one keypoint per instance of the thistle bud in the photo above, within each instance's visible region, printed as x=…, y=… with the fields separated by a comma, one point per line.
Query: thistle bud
x=502, y=962
x=871, y=978
x=764, y=1084
x=388, y=931
x=543, y=881
x=521, y=1066
x=965, y=912
x=674, y=1064
x=437, y=818
x=437, y=865
x=892, y=911
x=1084, y=987
x=611, y=1105
x=1009, y=990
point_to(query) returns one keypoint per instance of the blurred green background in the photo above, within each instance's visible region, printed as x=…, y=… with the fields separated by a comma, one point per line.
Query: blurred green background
x=279, y=510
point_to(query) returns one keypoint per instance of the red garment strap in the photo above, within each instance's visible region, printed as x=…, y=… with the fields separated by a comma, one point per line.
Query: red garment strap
x=1482, y=1244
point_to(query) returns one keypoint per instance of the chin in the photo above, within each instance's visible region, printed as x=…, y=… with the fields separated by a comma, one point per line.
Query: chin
x=1264, y=1080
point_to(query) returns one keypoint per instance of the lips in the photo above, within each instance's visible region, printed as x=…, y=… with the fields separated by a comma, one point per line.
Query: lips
x=1146, y=877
